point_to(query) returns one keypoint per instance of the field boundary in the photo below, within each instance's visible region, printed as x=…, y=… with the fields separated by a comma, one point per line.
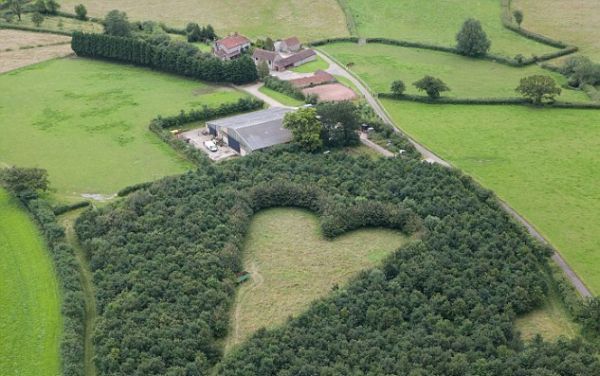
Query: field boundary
x=489, y=101
x=350, y=22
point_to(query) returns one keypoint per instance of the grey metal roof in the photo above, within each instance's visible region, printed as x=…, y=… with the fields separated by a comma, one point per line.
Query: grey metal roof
x=256, y=130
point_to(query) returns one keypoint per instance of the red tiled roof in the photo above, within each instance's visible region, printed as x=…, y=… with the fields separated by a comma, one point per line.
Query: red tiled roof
x=233, y=41
x=320, y=77
x=292, y=41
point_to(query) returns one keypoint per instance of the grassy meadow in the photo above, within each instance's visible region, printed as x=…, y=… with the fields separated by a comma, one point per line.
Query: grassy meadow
x=306, y=19
x=286, y=100
x=292, y=265
x=572, y=22
x=30, y=320
x=438, y=22
x=379, y=65
x=543, y=162
x=86, y=122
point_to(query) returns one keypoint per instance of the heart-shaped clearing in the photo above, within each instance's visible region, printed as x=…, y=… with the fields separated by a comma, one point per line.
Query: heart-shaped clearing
x=292, y=264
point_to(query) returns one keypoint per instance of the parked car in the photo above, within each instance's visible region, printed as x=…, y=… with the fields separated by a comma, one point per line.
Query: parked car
x=211, y=146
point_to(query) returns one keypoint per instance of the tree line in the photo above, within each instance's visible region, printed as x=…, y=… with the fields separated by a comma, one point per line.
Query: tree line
x=179, y=58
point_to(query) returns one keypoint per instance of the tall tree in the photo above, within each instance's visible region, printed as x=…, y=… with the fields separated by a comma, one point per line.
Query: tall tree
x=472, y=40
x=37, y=19
x=16, y=6
x=398, y=87
x=117, y=24
x=518, y=17
x=432, y=86
x=52, y=6
x=340, y=123
x=81, y=12
x=305, y=128
x=538, y=88
x=269, y=44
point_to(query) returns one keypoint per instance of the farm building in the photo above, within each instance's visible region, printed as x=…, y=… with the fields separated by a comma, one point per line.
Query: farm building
x=278, y=62
x=231, y=47
x=320, y=77
x=253, y=131
x=288, y=45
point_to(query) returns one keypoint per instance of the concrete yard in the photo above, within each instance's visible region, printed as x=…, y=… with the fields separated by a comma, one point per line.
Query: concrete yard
x=197, y=138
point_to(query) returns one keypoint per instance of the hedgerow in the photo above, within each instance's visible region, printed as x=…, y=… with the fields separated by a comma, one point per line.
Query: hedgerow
x=72, y=297
x=164, y=263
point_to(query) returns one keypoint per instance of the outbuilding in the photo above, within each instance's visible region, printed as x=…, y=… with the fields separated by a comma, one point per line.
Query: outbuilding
x=253, y=131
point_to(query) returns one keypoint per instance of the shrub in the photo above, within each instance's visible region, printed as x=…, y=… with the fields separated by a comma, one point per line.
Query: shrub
x=284, y=87
x=37, y=19
x=518, y=17
x=117, y=24
x=472, y=40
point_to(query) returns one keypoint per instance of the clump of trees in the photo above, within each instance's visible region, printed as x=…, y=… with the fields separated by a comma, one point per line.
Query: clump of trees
x=16, y=7
x=46, y=6
x=331, y=124
x=472, y=40
x=196, y=33
x=432, y=86
x=265, y=44
x=282, y=86
x=164, y=263
x=538, y=88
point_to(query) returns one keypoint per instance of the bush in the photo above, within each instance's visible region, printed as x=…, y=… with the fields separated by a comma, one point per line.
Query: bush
x=117, y=24
x=398, y=87
x=67, y=208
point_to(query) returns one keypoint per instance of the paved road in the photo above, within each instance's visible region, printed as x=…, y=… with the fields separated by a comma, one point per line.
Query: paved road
x=429, y=156
x=252, y=89
x=337, y=70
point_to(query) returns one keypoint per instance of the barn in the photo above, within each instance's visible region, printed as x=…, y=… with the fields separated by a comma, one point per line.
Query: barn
x=253, y=131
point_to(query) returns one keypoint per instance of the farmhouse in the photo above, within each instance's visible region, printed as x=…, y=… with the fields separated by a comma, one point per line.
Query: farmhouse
x=288, y=45
x=254, y=131
x=231, y=47
x=277, y=62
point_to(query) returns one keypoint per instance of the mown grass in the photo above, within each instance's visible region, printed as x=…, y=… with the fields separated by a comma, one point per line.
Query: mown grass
x=292, y=265
x=313, y=66
x=86, y=122
x=572, y=22
x=307, y=19
x=543, y=162
x=281, y=98
x=379, y=65
x=30, y=321
x=438, y=22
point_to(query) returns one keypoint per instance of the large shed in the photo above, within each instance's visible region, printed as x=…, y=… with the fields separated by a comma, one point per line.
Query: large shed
x=253, y=131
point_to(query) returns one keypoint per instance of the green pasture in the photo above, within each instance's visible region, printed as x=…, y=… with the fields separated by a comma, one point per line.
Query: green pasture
x=379, y=65
x=86, y=122
x=313, y=66
x=281, y=98
x=543, y=162
x=292, y=264
x=30, y=321
x=438, y=22
x=57, y=23
x=306, y=19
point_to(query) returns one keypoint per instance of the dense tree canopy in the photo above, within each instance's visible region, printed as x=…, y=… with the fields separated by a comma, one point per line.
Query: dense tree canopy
x=538, y=88
x=472, y=40
x=432, y=86
x=117, y=24
x=164, y=264
x=24, y=182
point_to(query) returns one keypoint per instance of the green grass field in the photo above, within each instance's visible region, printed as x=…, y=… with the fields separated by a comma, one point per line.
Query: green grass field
x=30, y=321
x=311, y=67
x=86, y=122
x=280, y=97
x=543, y=162
x=379, y=65
x=438, y=22
x=306, y=19
x=292, y=265
x=575, y=23
x=54, y=23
